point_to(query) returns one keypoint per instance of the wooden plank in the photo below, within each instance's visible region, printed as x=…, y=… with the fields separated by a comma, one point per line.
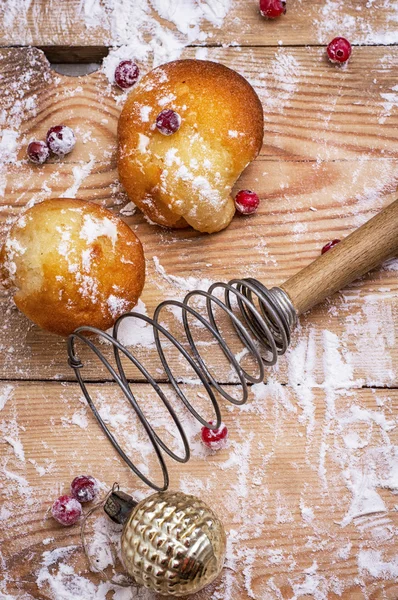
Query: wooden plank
x=309, y=196
x=287, y=488
x=313, y=111
x=363, y=318
x=49, y=23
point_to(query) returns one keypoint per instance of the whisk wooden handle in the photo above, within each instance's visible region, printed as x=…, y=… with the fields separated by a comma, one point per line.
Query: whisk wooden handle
x=363, y=250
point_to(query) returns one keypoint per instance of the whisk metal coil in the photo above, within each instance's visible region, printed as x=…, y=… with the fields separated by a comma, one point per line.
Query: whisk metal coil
x=266, y=318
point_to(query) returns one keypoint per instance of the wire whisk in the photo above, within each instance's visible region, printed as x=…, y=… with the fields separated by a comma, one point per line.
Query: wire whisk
x=263, y=325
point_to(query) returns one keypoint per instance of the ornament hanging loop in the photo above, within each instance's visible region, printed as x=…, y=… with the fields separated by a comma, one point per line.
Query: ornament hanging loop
x=128, y=581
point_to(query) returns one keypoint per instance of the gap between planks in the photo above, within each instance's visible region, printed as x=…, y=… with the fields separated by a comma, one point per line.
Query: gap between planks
x=65, y=54
x=167, y=382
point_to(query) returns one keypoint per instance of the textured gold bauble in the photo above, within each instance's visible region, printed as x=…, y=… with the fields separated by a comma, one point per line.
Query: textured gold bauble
x=173, y=544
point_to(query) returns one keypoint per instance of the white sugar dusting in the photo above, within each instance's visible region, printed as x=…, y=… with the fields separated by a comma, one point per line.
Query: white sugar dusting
x=360, y=27
x=79, y=173
x=183, y=283
x=8, y=145
x=134, y=331
x=94, y=227
x=157, y=31
x=5, y=395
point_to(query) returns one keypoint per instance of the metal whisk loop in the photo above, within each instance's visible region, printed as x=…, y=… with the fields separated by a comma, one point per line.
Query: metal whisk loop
x=263, y=327
x=273, y=330
x=77, y=365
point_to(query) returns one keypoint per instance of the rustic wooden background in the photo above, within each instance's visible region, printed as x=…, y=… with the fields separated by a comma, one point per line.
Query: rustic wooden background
x=329, y=162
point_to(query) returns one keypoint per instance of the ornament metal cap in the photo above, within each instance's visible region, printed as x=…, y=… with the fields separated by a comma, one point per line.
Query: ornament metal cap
x=118, y=506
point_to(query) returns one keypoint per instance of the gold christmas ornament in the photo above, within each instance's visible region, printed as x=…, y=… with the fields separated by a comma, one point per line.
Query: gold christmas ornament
x=172, y=543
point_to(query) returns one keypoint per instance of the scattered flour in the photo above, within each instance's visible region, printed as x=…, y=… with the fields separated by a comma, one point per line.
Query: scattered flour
x=372, y=561
x=334, y=20
x=5, y=395
x=156, y=31
x=187, y=284
x=134, y=331
x=79, y=173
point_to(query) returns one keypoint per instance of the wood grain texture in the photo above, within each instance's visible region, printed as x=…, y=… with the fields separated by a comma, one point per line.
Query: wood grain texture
x=53, y=24
x=260, y=486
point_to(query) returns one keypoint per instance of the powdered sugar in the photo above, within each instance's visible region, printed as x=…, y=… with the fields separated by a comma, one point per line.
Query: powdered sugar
x=8, y=145
x=137, y=31
x=373, y=562
x=5, y=395
x=136, y=332
x=335, y=20
x=94, y=227
x=79, y=173
x=183, y=283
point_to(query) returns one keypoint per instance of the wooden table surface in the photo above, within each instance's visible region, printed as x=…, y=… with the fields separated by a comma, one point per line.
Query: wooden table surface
x=307, y=485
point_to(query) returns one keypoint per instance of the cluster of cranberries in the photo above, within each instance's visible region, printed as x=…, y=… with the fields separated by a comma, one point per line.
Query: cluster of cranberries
x=339, y=49
x=60, y=140
x=67, y=509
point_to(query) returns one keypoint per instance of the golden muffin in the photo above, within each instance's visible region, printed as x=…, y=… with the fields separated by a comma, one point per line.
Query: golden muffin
x=186, y=177
x=72, y=263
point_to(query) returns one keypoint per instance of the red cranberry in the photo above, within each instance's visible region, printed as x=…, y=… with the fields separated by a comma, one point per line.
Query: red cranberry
x=215, y=438
x=339, y=50
x=271, y=9
x=66, y=510
x=61, y=140
x=126, y=74
x=168, y=122
x=38, y=152
x=84, y=488
x=329, y=246
x=246, y=202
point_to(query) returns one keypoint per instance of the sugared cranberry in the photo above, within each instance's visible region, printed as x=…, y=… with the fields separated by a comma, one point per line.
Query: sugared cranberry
x=84, y=488
x=61, y=140
x=126, y=74
x=339, y=50
x=66, y=510
x=246, y=202
x=168, y=122
x=215, y=438
x=271, y=9
x=38, y=152
x=329, y=246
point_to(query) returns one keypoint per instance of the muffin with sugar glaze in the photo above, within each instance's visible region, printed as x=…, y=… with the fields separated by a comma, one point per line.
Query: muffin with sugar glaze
x=72, y=263
x=185, y=178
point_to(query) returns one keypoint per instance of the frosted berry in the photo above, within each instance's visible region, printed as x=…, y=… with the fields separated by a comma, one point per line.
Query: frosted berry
x=66, y=510
x=126, y=74
x=246, y=202
x=84, y=488
x=329, y=246
x=38, y=152
x=339, y=50
x=168, y=122
x=215, y=438
x=61, y=140
x=271, y=9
